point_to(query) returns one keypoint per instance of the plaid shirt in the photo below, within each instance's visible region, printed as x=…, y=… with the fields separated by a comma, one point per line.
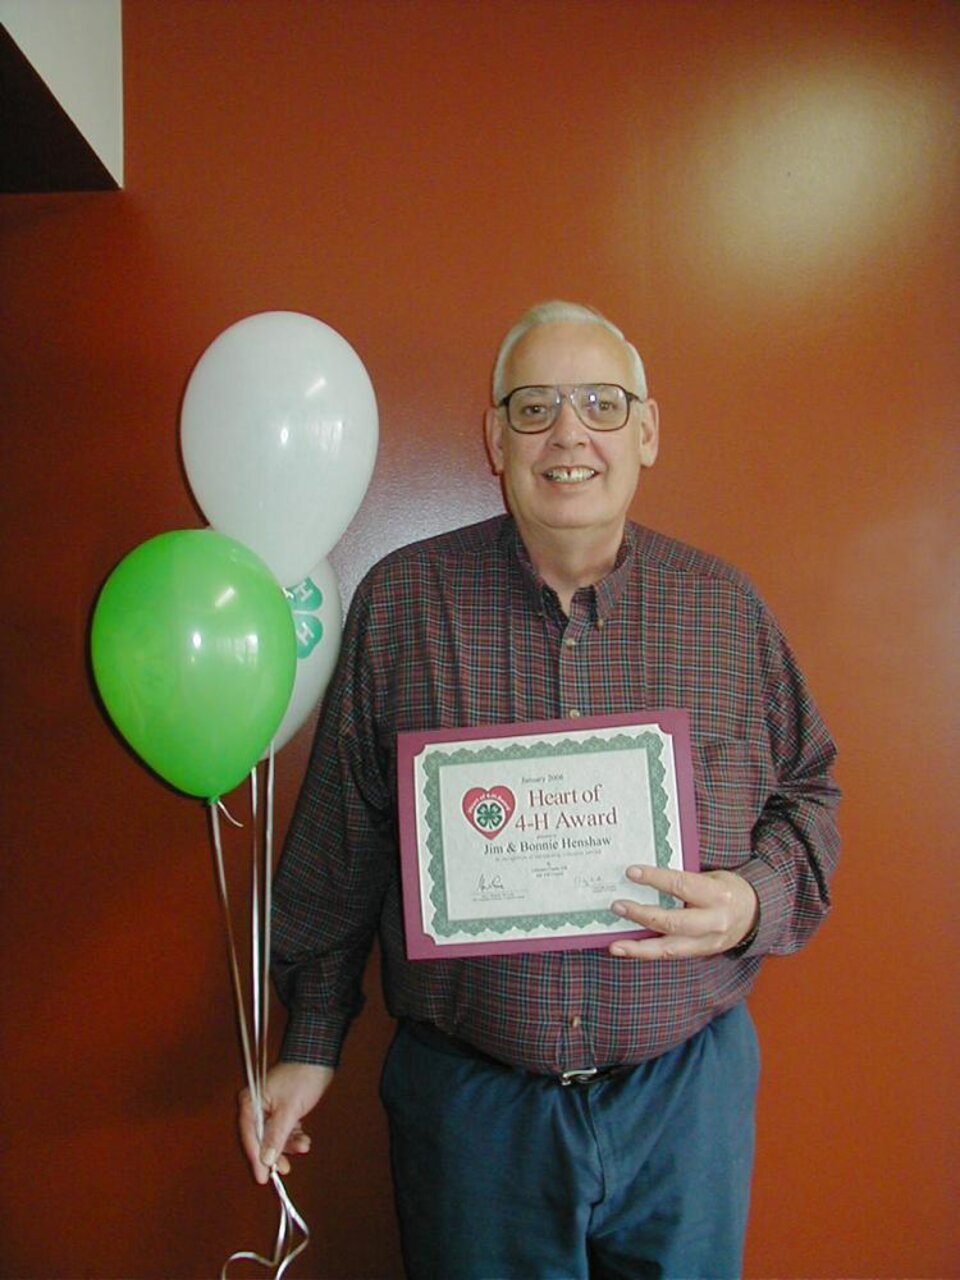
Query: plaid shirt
x=460, y=631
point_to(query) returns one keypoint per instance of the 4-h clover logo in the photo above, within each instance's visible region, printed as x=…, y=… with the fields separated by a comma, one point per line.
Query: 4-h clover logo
x=488, y=809
x=306, y=599
x=490, y=815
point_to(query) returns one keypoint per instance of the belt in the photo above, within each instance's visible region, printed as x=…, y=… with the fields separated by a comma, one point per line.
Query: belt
x=577, y=1077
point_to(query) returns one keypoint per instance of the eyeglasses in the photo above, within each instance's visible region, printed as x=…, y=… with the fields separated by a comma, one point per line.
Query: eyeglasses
x=601, y=406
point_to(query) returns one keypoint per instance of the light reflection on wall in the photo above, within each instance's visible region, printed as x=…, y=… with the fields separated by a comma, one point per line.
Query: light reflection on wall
x=806, y=173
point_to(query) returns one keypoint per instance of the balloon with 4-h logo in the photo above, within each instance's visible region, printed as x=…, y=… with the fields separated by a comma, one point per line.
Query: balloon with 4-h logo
x=317, y=622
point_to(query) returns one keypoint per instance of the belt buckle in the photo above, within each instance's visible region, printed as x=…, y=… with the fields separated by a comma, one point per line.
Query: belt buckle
x=583, y=1075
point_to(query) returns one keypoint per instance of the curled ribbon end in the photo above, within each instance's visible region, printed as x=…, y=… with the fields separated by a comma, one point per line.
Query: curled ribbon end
x=287, y=1249
x=218, y=804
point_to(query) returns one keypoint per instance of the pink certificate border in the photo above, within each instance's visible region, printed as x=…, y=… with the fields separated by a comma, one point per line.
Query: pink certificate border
x=420, y=946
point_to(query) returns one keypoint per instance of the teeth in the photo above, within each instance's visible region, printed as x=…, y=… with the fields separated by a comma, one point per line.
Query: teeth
x=570, y=475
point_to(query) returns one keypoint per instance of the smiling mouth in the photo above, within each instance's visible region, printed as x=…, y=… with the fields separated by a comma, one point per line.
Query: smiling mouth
x=569, y=475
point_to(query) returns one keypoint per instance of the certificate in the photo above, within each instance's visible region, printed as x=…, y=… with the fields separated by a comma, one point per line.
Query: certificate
x=517, y=837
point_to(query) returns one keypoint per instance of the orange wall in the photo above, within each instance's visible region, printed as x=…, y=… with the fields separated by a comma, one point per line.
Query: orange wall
x=764, y=195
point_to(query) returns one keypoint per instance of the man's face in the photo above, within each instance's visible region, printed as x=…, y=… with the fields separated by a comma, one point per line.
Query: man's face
x=570, y=477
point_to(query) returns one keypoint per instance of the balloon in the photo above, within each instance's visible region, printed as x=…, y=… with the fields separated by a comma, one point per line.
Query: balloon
x=317, y=621
x=194, y=654
x=279, y=434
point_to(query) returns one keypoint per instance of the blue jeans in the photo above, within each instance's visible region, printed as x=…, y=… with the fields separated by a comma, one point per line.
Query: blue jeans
x=504, y=1175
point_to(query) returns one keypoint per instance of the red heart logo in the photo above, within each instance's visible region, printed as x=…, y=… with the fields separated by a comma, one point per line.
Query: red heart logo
x=488, y=810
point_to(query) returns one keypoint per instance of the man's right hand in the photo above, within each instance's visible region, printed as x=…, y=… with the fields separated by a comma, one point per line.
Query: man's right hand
x=291, y=1091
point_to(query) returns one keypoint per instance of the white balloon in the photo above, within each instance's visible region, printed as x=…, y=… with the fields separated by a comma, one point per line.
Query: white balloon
x=318, y=622
x=279, y=434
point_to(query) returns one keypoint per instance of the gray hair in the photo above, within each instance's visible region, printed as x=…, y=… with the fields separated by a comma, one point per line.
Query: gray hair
x=562, y=312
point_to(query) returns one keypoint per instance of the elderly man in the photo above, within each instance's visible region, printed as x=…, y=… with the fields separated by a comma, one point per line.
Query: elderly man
x=562, y=608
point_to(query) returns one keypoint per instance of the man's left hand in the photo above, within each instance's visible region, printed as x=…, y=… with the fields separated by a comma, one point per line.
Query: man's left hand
x=721, y=909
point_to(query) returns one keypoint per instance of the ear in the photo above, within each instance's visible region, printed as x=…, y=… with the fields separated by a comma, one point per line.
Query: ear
x=493, y=429
x=649, y=432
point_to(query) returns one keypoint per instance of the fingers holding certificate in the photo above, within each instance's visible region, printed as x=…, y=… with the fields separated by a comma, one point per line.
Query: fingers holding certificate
x=518, y=837
x=722, y=910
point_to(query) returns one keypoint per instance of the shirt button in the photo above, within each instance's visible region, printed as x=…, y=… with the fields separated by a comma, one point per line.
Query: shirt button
x=574, y=713
x=601, y=622
x=575, y=1022
x=571, y=644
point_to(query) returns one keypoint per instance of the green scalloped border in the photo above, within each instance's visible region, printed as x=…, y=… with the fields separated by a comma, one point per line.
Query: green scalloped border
x=441, y=924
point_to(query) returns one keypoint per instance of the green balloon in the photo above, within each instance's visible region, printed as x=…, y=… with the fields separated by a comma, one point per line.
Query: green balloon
x=194, y=653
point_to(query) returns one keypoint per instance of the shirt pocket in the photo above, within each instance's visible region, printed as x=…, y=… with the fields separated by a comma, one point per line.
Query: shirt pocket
x=730, y=778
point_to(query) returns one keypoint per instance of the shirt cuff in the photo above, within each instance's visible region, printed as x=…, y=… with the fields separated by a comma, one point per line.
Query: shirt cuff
x=314, y=1040
x=773, y=908
x=743, y=946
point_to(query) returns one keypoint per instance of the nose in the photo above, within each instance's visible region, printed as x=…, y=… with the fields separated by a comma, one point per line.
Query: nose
x=567, y=429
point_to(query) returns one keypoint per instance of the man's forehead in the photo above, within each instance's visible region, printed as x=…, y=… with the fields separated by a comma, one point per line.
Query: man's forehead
x=566, y=350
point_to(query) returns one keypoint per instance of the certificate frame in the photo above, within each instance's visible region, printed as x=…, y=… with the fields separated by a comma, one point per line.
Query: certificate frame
x=448, y=828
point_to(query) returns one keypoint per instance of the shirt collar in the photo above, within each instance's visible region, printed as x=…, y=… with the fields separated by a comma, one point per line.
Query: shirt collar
x=607, y=593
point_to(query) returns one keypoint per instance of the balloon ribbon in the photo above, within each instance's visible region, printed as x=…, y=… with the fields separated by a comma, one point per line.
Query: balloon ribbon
x=255, y=1048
